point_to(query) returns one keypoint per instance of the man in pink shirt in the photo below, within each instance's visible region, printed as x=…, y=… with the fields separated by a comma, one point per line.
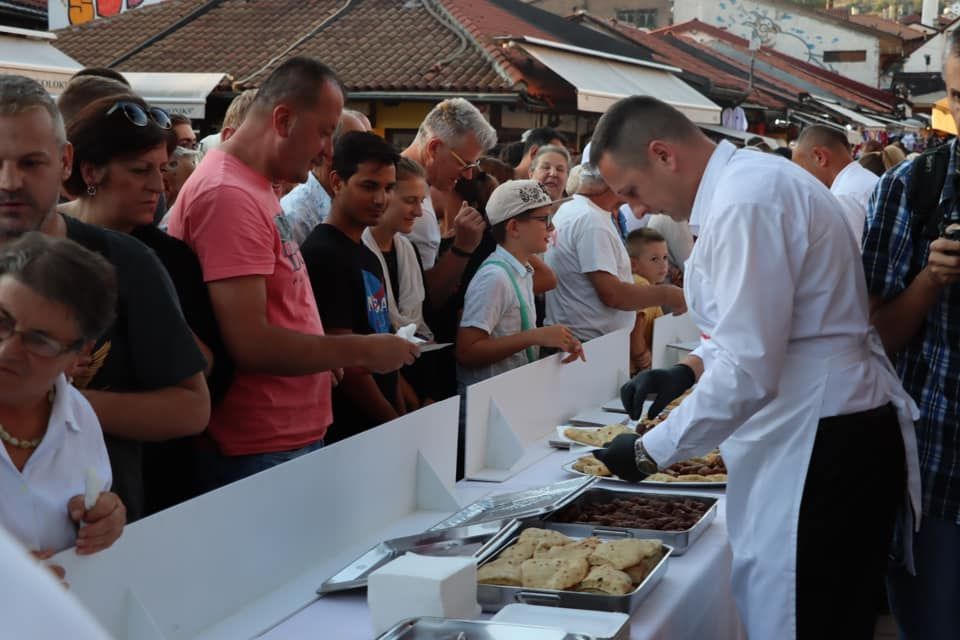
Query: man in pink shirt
x=278, y=406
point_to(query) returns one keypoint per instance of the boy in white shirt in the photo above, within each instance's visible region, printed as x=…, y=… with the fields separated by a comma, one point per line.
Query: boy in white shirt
x=498, y=329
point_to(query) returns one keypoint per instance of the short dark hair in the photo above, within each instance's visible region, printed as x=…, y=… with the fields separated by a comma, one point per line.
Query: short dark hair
x=639, y=238
x=512, y=153
x=101, y=72
x=356, y=147
x=83, y=90
x=874, y=162
x=98, y=138
x=19, y=94
x=64, y=272
x=821, y=135
x=297, y=81
x=627, y=128
x=540, y=137
x=178, y=118
x=953, y=46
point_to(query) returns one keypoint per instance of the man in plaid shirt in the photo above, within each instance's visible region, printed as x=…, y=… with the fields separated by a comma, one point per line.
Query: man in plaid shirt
x=915, y=301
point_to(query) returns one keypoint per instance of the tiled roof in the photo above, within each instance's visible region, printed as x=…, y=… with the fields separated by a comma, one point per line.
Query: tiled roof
x=388, y=45
x=902, y=31
x=788, y=68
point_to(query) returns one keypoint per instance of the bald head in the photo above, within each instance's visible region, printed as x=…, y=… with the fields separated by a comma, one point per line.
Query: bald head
x=350, y=120
x=823, y=151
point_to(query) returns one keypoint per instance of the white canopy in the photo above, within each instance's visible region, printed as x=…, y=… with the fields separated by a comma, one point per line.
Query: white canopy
x=31, y=53
x=182, y=93
x=601, y=79
x=851, y=115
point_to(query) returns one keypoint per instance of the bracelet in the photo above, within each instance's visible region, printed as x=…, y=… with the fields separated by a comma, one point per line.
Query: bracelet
x=645, y=463
x=461, y=252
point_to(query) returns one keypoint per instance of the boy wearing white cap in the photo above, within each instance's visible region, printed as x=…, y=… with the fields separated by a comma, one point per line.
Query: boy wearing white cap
x=498, y=329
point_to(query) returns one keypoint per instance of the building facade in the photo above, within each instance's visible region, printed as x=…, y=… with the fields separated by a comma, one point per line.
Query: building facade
x=644, y=14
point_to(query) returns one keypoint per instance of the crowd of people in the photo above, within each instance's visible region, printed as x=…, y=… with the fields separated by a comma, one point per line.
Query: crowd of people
x=177, y=314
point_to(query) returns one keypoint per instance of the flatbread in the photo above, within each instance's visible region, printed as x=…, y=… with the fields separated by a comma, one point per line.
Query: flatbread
x=606, y=434
x=606, y=580
x=639, y=572
x=591, y=466
x=583, y=436
x=579, y=549
x=519, y=551
x=537, y=536
x=553, y=573
x=501, y=571
x=624, y=553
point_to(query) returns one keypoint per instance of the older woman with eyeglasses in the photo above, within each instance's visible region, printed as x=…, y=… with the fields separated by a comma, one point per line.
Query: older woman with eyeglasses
x=56, y=298
x=121, y=146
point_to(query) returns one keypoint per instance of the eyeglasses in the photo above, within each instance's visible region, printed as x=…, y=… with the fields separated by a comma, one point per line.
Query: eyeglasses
x=140, y=117
x=36, y=342
x=546, y=219
x=464, y=165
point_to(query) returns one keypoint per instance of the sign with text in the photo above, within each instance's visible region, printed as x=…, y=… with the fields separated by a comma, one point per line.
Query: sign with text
x=68, y=13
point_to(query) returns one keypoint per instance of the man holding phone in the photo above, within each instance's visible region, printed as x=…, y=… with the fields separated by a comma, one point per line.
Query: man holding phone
x=911, y=257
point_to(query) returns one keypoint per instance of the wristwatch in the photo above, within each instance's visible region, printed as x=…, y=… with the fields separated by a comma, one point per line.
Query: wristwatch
x=645, y=463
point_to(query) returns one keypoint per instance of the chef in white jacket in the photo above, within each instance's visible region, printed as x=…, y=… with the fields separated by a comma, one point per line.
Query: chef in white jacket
x=812, y=422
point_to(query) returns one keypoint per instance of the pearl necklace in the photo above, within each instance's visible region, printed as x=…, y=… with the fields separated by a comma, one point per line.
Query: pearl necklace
x=17, y=442
x=13, y=440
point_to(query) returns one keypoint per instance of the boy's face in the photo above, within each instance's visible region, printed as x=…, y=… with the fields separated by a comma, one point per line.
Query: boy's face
x=652, y=262
x=534, y=233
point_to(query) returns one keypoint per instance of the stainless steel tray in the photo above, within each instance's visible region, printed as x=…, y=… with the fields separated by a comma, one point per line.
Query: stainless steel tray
x=494, y=597
x=462, y=541
x=530, y=503
x=568, y=467
x=679, y=540
x=444, y=629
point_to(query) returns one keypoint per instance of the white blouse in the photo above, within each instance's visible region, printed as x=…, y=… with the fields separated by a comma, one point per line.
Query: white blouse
x=34, y=504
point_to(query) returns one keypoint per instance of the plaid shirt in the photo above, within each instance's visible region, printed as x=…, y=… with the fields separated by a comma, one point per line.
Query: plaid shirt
x=929, y=365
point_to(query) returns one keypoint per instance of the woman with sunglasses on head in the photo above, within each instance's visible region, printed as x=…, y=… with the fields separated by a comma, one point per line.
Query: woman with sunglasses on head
x=56, y=298
x=121, y=148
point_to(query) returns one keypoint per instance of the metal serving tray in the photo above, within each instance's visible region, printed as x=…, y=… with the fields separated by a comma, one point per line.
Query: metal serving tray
x=530, y=503
x=462, y=541
x=444, y=629
x=679, y=540
x=492, y=597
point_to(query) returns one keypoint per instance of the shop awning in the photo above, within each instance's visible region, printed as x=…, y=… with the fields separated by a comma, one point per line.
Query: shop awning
x=741, y=136
x=31, y=53
x=854, y=117
x=601, y=79
x=182, y=93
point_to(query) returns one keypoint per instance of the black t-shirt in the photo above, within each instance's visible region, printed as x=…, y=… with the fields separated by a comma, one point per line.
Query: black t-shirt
x=348, y=285
x=164, y=489
x=148, y=347
x=184, y=270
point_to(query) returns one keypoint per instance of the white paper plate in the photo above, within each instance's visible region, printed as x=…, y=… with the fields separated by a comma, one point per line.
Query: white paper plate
x=647, y=483
x=597, y=624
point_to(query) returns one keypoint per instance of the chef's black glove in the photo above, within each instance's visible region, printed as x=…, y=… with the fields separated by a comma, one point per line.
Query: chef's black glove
x=620, y=456
x=666, y=384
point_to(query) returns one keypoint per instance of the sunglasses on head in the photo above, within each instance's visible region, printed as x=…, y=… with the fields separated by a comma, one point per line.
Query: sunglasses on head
x=139, y=116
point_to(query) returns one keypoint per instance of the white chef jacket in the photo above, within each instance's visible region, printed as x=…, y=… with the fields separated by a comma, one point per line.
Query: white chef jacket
x=777, y=269
x=426, y=234
x=34, y=604
x=34, y=504
x=587, y=241
x=853, y=187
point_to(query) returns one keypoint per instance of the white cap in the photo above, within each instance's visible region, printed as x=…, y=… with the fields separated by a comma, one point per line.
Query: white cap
x=515, y=197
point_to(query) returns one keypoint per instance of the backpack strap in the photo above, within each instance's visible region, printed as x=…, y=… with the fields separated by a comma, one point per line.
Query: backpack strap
x=929, y=174
x=525, y=324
